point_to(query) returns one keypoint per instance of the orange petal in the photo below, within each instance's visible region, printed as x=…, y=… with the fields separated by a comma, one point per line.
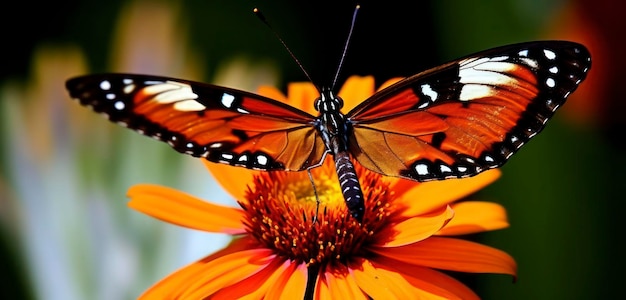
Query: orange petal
x=256, y=286
x=338, y=284
x=290, y=284
x=302, y=95
x=434, y=283
x=383, y=282
x=389, y=82
x=178, y=208
x=179, y=282
x=355, y=90
x=228, y=270
x=272, y=92
x=452, y=254
x=423, y=197
x=373, y=283
x=296, y=285
x=415, y=229
x=234, y=180
x=475, y=216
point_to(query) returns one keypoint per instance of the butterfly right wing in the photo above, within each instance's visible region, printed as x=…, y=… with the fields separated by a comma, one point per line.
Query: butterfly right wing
x=466, y=116
x=220, y=124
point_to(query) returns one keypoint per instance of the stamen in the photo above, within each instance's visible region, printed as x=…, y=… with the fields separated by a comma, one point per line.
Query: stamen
x=279, y=207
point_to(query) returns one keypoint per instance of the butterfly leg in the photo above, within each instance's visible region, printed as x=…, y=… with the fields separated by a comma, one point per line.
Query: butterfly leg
x=317, y=197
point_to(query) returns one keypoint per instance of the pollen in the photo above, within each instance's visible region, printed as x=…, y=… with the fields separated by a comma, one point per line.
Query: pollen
x=308, y=221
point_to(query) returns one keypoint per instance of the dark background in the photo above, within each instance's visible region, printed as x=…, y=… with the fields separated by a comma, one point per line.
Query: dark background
x=563, y=192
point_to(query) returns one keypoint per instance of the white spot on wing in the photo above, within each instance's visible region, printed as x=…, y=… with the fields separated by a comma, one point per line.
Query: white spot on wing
x=554, y=70
x=475, y=91
x=105, y=85
x=489, y=76
x=550, y=82
x=189, y=105
x=499, y=58
x=523, y=53
x=530, y=62
x=428, y=91
x=496, y=66
x=169, y=92
x=227, y=100
x=110, y=96
x=261, y=160
x=155, y=87
x=549, y=54
x=119, y=105
x=129, y=88
x=421, y=169
x=174, y=92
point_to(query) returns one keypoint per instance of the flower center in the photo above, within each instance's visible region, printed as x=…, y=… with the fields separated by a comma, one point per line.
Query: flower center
x=284, y=213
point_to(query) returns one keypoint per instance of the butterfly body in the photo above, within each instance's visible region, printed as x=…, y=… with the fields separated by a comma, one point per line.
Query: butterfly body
x=452, y=121
x=334, y=130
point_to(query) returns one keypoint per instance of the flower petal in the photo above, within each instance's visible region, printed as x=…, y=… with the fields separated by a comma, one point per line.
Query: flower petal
x=184, y=210
x=424, y=197
x=337, y=283
x=258, y=285
x=374, y=284
x=475, y=216
x=290, y=284
x=381, y=281
x=296, y=285
x=414, y=229
x=272, y=93
x=302, y=95
x=355, y=90
x=434, y=283
x=234, y=180
x=452, y=254
x=389, y=82
x=233, y=269
x=211, y=268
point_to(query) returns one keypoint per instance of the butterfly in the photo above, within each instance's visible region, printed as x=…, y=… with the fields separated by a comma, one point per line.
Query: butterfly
x=452, y=121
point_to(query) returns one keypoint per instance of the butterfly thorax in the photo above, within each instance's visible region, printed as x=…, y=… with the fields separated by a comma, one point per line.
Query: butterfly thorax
x=331, y=123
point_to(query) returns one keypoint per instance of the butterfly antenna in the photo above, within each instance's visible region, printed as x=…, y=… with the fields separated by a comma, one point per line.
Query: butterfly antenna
x=345, y=48
x=260, y=15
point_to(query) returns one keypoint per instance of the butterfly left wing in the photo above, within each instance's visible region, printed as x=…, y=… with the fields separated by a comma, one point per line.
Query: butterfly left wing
x=221, y=124
x=466, y=116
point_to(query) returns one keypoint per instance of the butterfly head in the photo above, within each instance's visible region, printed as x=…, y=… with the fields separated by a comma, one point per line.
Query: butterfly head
x=328, y=102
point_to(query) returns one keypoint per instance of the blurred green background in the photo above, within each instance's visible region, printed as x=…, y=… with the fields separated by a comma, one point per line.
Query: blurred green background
x=65, y=231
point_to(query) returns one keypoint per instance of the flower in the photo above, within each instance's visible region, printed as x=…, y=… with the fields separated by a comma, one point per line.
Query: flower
x=279, y=251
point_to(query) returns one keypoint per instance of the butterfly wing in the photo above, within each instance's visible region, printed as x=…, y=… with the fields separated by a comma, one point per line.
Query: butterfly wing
x=466, y=116
x=223, y=125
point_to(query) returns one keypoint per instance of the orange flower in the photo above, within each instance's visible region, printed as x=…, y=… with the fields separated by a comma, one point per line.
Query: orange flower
x=278, y=251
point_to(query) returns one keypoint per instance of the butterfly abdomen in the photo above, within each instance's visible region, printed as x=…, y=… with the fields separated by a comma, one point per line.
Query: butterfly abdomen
x=349, y=184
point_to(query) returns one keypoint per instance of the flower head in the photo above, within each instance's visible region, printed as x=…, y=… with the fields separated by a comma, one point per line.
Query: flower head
x=279, y=250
